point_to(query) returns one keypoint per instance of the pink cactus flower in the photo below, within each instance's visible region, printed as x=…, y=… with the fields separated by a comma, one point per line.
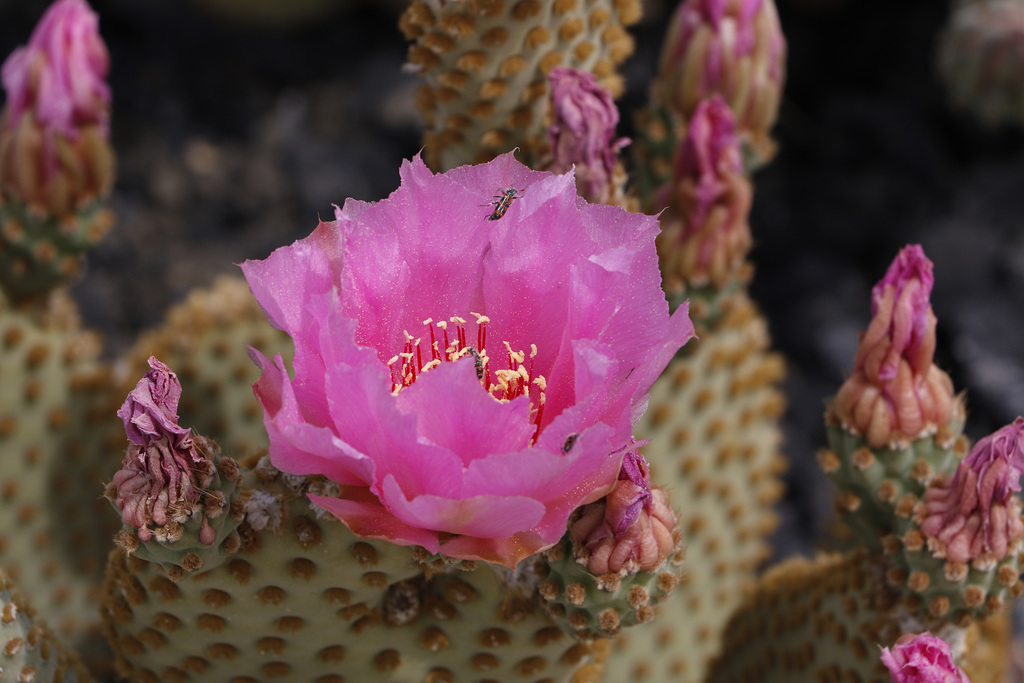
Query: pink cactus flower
x=631, y=530
x=467, y=382
x=163, y=474
x=975, y=517
x=583, y=132
x=731, y=47
x=896, y=393
x=922, y=658
x=59, y=75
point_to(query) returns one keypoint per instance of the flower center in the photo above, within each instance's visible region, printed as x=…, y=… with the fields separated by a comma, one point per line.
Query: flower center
x=449, y=341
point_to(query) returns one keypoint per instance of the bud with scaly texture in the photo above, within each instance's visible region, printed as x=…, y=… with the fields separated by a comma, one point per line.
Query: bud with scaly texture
x=975, y=517
x=631, y=530
x=731, y=47
x=56, y=163
x=583, y=134
x=174, y=492
x=705, y=233
x=896, y=393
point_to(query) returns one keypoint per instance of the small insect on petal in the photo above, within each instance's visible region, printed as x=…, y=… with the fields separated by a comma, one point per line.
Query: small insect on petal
x=567, y=446
x=503, y=202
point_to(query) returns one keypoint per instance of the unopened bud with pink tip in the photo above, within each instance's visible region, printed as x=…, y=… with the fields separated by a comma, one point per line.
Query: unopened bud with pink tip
x=631, y=529
x=896, y=393
x=176, y=495
x=54, y=151
x=922, y=658
x=582, y=134
x=705, y=233
x=974, y=517
x=731, y=47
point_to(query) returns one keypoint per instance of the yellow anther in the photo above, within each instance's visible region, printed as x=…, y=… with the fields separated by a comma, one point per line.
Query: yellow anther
x=533, y=350
x=541, y=383
x=393, y=360
x=480, y=318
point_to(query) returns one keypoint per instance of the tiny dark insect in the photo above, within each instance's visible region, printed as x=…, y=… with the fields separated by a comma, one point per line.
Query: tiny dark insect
x=567, y=446
x=503, y=202
x=478, y=361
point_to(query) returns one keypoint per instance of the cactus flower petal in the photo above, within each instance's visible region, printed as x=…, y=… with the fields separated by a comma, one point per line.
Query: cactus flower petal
x=468, y=381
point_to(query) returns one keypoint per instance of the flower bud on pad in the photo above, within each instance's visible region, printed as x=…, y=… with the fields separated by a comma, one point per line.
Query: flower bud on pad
x=56, y=163
x=177, y=497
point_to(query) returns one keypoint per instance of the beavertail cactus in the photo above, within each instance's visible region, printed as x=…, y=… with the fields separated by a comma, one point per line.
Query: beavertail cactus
x=712, y=423
x=56, y=164
x=486, y=63
x=474, y=439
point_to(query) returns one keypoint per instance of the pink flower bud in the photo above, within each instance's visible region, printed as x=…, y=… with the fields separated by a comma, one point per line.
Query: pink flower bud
x=731, y=47
x=922, y=658
x=583, y=132
x=631, y=530
x=975, y=517
x=163, y=473
x=60, y=74
x=55, y=154
x=895, y=392
x=705, y=229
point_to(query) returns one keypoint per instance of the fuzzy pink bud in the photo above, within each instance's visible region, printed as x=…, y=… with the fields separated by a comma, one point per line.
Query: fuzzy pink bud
x=631, y=530
x=896, y=393
x=705, y=229
x=60, y=74
x=583, y=133
x=731, y=47
x=975, y=517
x=163, y=473
x=922, y=658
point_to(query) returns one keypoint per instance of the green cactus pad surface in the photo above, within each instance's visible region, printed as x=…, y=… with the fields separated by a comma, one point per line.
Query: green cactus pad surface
x=306, y=600
x=827, y=619
x=55, y=530
x=949, y=591
x=872, y=482
x=30, y=654
x=712, y=423
x=486, y=65
x=38, y=252
x=601, y=606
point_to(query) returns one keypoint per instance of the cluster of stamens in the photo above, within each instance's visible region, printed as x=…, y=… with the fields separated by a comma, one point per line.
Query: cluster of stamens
x=448, y=342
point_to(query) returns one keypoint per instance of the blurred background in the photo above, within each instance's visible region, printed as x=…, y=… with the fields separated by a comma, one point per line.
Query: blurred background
x=233, y=137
